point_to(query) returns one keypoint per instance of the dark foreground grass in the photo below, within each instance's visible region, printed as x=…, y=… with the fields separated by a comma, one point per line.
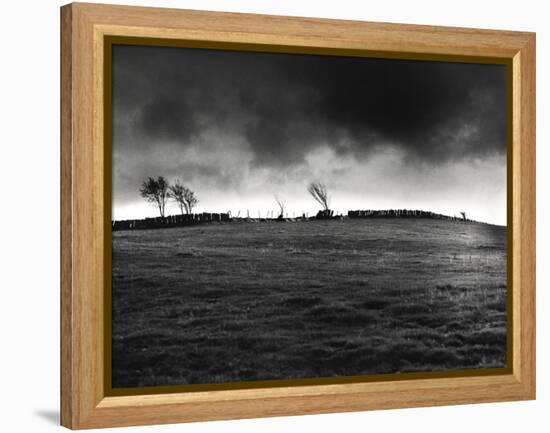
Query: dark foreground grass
x=258, y=301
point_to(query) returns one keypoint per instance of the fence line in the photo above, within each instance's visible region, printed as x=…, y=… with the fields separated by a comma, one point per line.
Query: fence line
x=405, y=213
x=171, y=221
x=207, y=217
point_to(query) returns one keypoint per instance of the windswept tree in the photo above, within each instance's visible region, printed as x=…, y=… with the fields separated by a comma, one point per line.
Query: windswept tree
x=184, y=197
x=319, y=192
x=190, y=200
x=282, y=205
x=155, y=191
x=177, y=192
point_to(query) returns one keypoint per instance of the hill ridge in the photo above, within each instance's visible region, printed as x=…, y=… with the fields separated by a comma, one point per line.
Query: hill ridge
x=211, y=217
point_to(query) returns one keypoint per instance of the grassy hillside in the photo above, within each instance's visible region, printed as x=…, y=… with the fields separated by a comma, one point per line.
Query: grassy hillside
x=255, y=301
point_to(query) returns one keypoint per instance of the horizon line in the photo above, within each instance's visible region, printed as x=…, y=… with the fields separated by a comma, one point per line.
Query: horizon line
x=305, y=215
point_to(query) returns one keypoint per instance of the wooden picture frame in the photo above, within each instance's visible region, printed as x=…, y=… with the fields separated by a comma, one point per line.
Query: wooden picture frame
x=85, y=230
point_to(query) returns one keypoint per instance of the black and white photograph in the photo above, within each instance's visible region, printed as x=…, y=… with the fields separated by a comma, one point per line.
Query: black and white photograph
x=282, y=216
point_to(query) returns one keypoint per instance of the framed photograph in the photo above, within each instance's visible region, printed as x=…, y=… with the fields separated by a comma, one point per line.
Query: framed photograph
x=267, y=215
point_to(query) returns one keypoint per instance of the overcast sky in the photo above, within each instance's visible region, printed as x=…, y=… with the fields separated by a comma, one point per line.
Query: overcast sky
x=240, y=127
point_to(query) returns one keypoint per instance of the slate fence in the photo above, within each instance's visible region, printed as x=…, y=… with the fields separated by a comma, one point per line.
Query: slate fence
x=170, y=221
x=401, y=213
x=207, y=218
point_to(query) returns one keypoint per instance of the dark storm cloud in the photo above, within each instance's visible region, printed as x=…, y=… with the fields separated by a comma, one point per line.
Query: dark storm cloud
x=434, y=111
x=287, y=105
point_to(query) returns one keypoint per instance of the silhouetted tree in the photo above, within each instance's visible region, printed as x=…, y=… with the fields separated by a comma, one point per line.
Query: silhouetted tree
x=319, y=192
x=282, y=205
x=463, y=214
x=177, y=192
x=190, y=200
x=184, y=197
x=155, y=191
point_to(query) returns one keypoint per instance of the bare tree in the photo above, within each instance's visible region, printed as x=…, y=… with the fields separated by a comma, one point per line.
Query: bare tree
x=155, y=191
x=319, y=192
x=463, y=214
x=190, y=200
x=184, y=197
x=282, y=205
x=177, y=192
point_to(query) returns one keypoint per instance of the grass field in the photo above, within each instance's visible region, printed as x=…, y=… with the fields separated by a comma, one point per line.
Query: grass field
x=253, y=301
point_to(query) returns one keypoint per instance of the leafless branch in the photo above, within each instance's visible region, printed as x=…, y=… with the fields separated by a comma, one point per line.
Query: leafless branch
x=319, y=192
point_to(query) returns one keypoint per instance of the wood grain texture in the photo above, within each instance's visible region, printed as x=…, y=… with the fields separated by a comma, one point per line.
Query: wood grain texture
x=84, y=26
x=527, y=224
x=67, y=394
